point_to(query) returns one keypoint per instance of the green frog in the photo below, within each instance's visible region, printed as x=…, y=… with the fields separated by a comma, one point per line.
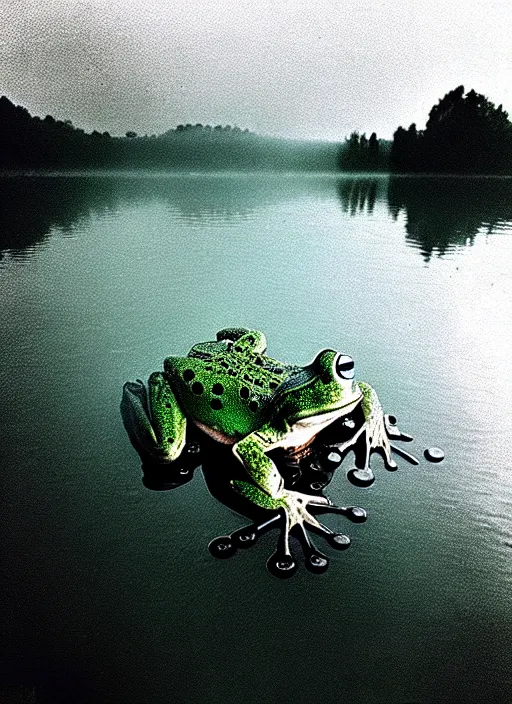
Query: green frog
x=239, y=396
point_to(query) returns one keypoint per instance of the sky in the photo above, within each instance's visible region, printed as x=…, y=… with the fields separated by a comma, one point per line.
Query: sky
x=293, y=68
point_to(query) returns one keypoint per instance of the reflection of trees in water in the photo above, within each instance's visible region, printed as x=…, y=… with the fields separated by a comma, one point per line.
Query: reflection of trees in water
x=442, y=213
x=228, y=198
x=33, y=206
x=359, y=194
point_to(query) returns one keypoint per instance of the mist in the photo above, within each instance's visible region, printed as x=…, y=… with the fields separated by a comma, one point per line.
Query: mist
x=306, y=70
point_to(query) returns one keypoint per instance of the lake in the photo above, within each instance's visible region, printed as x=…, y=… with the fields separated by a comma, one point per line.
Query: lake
x=110, y=592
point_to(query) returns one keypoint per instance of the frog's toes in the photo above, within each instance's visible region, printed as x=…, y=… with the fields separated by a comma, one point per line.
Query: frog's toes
x=338, y=541
x=282, y=565
x=246, y=537
x=314, y=560
x=300, y=520
x=356, y=514
x=294, y=514
x=392, y=431
x=405, y=455
x=222, y=547
x=361, y=477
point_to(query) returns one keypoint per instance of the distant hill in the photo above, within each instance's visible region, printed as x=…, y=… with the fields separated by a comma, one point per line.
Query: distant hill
x=31, y=143
x=28, y=142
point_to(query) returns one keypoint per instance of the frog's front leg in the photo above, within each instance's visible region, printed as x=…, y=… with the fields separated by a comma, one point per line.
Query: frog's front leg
x=268, y=492
x=251, y=451
x=153, y=419
x=374, y=436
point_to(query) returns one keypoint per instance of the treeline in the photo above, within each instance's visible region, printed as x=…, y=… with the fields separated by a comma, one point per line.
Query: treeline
x=465, y=133
x=199, y=129
x=362, y=154
x=31, y=143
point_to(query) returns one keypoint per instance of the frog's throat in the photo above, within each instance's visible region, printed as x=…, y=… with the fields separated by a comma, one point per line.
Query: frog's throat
x=304, y=431
x=319, y=416
x=301, y=433
x=217, y=435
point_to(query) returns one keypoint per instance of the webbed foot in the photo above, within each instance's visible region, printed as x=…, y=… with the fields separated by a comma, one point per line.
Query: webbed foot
x=376, y=438
x=293, y=513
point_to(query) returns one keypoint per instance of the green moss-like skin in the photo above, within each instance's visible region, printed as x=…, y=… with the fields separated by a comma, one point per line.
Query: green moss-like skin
x=321, y=393
x=258, y=497
x=251, y=451
x=370, y=402
x=167, y=420
x=255, y=389
x=246, y=379
x=237, y=393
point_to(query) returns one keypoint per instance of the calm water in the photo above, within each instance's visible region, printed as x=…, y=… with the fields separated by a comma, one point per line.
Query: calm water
x=110, y=594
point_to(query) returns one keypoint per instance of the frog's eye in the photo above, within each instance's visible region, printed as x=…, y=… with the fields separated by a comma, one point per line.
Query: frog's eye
x=345, y=366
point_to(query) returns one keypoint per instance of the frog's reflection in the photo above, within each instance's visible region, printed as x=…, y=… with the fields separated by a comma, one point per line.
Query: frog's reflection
x=308, y=473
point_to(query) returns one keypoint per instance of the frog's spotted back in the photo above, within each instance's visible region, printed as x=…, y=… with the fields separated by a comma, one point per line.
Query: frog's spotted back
x=251, y=340
x=229, y=377
x=205, y=350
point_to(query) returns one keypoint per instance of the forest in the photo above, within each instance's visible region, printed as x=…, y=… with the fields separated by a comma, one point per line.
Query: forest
x=464, y=134
x=30, y=143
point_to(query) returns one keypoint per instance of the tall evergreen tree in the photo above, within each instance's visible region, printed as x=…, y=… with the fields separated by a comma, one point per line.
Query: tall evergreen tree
x=463, y=134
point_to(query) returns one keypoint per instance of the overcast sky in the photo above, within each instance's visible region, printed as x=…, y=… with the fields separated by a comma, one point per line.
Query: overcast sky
x=296, y=68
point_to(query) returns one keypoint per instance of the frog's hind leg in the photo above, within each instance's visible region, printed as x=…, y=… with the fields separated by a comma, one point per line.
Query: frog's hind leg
x=153, y=419
x=232, y=334
x=244, y=340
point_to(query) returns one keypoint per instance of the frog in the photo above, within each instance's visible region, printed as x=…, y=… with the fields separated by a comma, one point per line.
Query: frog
x=231, y=390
